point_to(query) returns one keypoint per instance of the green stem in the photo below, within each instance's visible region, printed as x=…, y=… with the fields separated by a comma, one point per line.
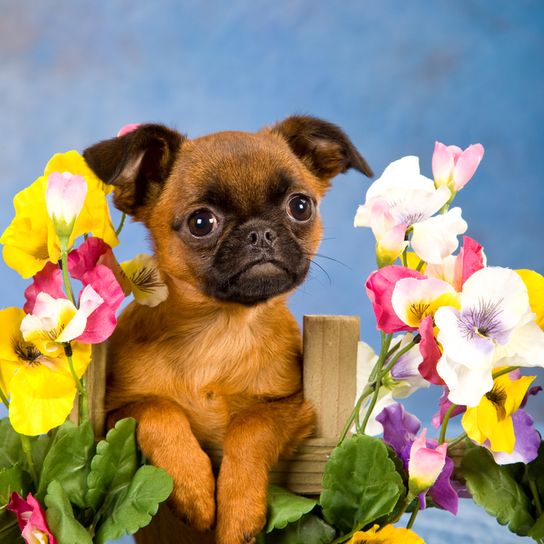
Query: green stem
x=354, y=416
x=420, y=265
x=121, y=224
x=27, y=450
x=404, y=350
x=83, y=400
x=456, y=440
x=66, y=274
x=413, y=516
x=4, y=398
x=346, y=537
x=447, y=415
x=536, y=497
x=405, y=259
x=504, y=371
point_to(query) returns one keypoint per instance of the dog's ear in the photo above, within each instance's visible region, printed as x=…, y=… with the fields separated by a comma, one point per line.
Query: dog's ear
x=324, y=148
x=137, y=164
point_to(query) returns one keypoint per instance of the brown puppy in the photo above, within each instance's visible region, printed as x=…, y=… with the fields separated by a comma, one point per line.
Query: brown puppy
x=234, y=221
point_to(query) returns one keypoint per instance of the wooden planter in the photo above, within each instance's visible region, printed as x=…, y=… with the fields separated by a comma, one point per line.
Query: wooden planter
x=330, y=359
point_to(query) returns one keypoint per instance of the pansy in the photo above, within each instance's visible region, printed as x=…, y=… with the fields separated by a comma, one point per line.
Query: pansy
x=494, y=327
x=145, y=279
x=31, y=519
x=31, y=240
x=39, y=382
x=402, y=199
x=535, y=289
x=422, y=458
x=453, y=167
x=491, y=423
x=386, y=535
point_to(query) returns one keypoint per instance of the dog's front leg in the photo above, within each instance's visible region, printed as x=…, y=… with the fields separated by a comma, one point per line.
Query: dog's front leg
x=254, y=441
x=165, y=437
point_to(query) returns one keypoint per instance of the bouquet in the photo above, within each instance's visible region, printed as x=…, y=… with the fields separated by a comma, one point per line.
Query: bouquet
x=447, y=321
x=57, y=484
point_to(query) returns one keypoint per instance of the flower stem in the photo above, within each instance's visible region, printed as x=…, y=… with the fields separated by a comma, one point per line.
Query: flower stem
x=536, y=497
x=27, y=450
x=66, y=275
x=447, y=415
x=420, y=265
x=83, y=400
x=121, y=224
x=504, y=371
x=456, y=440
x=404, y=350
x=405, y=259
x=413, y=516
x=3, y=398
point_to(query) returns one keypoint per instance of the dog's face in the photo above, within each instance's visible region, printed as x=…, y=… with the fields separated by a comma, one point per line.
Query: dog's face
x=233, y=214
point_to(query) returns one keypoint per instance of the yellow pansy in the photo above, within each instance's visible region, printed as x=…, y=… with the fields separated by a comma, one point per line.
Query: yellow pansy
x=41, y=387
x=535, y=287
x=386, y=535
x=492, y=418
x=30, y=241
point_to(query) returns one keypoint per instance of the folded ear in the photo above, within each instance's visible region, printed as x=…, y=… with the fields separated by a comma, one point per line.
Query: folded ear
x=137, y=164
x=323, y=147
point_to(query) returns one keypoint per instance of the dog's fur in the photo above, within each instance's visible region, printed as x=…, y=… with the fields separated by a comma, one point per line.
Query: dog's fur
x=218, y=363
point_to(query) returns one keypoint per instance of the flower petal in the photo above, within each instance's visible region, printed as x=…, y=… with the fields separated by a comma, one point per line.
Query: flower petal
x=471, y=258
x=535, y=288
x=467, y=164
x=527, y=441
x=442, y=164
x=442, y=493
x=430, y=352
x=400, y=428
x=48, y=280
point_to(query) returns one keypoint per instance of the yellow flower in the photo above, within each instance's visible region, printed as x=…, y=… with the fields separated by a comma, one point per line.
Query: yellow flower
x=535, y=287
x=492, y=418
x=30, y=241
x=386, y=535
x=41, y=387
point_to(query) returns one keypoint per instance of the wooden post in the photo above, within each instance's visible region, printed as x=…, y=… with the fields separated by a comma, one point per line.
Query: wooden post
x=330, y=381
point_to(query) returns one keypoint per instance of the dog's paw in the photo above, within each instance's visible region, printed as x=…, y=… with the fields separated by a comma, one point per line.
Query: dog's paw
x=193, y=498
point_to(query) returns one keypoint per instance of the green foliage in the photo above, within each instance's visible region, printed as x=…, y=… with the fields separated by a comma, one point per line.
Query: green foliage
x=308, y=529
x=60, y=517
x=68, y=461
x=149, y=487
x=14, y=479
x=114, y=464
x=360, y=483
x=285, y=507
x=11, y=451
x=495, y=489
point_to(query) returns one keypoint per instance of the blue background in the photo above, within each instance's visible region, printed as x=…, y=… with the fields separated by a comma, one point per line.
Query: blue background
x=396, y=75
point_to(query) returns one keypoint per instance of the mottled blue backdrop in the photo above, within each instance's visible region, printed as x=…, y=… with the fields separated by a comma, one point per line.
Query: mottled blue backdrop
x=396, y=75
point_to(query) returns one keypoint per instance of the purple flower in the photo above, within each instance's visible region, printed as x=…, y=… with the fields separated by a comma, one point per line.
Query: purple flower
x=445, y=405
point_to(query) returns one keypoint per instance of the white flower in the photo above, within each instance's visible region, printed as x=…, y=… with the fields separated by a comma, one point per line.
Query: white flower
x=145, y=280
x=494, y=327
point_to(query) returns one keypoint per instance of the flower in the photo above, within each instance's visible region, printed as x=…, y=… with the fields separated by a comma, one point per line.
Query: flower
x=31, y=519
x=127, y=128
x=402, y=198
x=444, y=405
x=64, y=198
x=494, y=327
x=386, y=535
x=535, y=288
x=399, y=431
x=145, y=279
x=30, y=241
x=425, y=464
x=39, y=383
x=492, y=419
x=453, y=167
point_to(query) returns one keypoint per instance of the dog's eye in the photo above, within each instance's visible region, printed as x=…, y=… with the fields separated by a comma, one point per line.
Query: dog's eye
x=300, y=208
x=202, y=222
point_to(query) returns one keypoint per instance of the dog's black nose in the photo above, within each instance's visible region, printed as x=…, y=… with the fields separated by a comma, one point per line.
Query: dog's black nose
x=265, y=237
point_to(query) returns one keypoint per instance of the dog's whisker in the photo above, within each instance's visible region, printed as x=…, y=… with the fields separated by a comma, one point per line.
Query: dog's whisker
x=330, y=259
x=321, y=268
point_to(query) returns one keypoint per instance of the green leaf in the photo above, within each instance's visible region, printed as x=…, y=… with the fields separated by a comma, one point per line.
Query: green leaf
x=40, y=447
x=60, y=517
x=68, y=461
x=285, y=507
x=114, y=464
x=360, y=483
x=10, y=532
x=494, y=489
x=11, y=451
x=13, y=479
x=535, y=470
x=148, y=489
x=308, y=529
x=537, y=531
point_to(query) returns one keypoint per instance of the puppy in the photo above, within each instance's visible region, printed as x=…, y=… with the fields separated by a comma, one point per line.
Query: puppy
x=234, y=222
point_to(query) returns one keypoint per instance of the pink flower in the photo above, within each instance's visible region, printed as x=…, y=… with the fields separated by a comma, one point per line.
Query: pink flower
x=471, y=258
x=453, y=167
x=428, y=347
x=379, y=287
x=425, y=464
x=131, y=127
x=31, y=518
x=49, y=281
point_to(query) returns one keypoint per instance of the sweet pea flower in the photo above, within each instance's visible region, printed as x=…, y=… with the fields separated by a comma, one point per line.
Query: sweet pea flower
x=491, y=423
x=31, y=241
x=400, y=430
x=401, y=199
x=39, y=383
x=64, y=199
x=145, y=280
x=425, y=464
x=386, y=535
x=453, y=167
x=31, y=519
x=126, y=129
x=494, y=327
